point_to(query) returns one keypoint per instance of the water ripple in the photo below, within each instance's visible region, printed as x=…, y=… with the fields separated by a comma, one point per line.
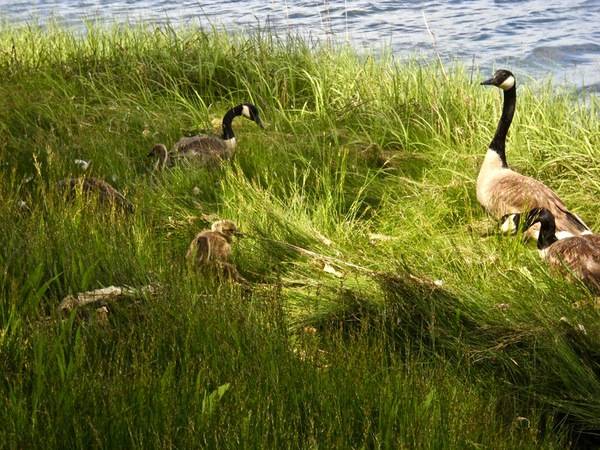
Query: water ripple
x=540, y=37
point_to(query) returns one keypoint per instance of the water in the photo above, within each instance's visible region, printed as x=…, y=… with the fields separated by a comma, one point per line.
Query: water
x=537, y=37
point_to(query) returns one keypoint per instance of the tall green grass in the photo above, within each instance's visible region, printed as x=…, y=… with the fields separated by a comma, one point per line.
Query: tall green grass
x=437, y=334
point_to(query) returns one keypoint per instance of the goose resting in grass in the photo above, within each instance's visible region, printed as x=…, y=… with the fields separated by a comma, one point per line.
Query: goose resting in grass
x=212, y=248
x=577, y=255
x=203, y=149
x=502, y=191
x=90, y=185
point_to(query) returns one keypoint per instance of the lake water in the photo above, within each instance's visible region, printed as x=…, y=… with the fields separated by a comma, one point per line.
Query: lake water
x=560, y=38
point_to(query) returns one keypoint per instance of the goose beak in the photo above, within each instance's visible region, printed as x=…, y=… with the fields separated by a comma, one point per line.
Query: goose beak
x=259, y=123
x=489, y=82
x=239, y=234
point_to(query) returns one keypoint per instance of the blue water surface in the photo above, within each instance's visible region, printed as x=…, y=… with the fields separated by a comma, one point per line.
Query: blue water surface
x=539, y=38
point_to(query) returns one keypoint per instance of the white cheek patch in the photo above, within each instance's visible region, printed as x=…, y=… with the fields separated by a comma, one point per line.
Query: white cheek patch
x=564, y=235
x=246, y=111
x=508, y=83
x=534, y=233
x=508, y=226
x=230, y=143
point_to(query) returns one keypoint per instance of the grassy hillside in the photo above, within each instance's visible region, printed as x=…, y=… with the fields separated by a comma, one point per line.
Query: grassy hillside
x=412, y=325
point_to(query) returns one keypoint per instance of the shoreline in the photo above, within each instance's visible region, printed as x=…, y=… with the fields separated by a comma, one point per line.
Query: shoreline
x=539, y=63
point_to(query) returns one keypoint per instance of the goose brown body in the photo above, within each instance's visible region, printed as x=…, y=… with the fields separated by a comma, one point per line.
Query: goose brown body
x=502, y=191
x=212, y=249
x=204, y=149
x=581, y=254
x=577, y=255
x=209, y=247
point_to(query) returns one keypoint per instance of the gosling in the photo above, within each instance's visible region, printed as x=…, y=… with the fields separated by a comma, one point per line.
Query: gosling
x=212, y=249
x=90, y=185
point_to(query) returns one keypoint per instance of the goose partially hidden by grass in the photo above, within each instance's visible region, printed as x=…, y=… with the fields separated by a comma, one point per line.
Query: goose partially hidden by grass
x=90, y=185
x=212, y=249
x=502, y=191
x=577, y=255
x=203, y=149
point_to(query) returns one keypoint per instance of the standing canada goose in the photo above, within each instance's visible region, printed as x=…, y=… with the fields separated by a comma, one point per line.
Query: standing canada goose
x=105, y=191
x=502, y=191
x=212, y=248
x=207, y=149
x=579, y=255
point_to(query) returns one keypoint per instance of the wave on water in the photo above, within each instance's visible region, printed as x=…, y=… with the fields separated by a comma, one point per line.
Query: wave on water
x=538, y=37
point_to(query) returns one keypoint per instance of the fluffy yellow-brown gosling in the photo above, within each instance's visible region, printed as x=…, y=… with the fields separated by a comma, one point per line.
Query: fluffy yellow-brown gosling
x=212, y=248
x=90, y=185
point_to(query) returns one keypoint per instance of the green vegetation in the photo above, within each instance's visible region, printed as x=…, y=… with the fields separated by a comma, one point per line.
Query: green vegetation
x=373, y=355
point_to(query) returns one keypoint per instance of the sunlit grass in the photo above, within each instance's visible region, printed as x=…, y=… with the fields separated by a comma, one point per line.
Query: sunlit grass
x=404, y=320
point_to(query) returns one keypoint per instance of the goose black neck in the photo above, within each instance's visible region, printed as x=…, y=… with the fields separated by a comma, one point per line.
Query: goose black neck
x=508, y=111
x=228, y=119
x=547, y=235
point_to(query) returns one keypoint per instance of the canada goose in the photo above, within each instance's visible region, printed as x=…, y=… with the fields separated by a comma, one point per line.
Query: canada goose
x=105, y=191
x=207, y=149
x=502, y=191
x=577, y=254
x=212, y=248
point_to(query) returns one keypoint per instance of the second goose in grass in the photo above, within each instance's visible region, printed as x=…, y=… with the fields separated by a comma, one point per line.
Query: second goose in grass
x=502, y=191
x=207, y=149
x=579, y=255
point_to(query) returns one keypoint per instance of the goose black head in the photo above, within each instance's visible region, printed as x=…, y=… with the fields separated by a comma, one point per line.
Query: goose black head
x=251, y=112
x=504, y=79
x=547, y=234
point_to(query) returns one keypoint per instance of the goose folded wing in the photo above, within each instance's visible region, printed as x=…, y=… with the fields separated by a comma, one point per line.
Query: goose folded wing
x=579, y=255
x=518, y=193
x=198, y=144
